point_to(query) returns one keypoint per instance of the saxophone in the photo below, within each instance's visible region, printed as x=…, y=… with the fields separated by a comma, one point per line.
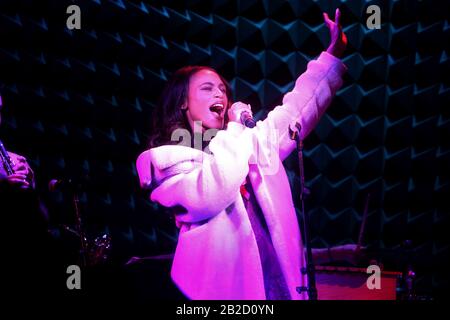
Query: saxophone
x=5, y=160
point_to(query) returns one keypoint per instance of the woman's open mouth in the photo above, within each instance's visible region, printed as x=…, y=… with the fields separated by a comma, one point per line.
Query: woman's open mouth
x=217, y=108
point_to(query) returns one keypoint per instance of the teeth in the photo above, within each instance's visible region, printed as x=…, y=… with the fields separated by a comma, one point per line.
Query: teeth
x=217, y=107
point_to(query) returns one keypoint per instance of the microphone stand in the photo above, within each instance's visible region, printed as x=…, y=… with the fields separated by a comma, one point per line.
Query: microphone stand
x=72, y=190
x=309, y=270
x=83, y=246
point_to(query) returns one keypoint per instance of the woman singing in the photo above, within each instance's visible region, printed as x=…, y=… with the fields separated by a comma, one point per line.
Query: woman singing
x=239, y=235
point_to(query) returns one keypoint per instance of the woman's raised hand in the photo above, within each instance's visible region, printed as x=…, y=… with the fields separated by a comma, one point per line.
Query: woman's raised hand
x=338, y=41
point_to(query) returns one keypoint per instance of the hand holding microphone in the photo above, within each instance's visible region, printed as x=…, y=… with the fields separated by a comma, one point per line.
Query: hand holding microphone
x=242, y=113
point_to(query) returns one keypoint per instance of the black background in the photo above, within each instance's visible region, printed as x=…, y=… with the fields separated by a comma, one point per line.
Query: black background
x=77, y=103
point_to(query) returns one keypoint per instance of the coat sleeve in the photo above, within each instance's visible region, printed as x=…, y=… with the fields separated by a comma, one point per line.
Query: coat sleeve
x=203, y=188
x=306, y=103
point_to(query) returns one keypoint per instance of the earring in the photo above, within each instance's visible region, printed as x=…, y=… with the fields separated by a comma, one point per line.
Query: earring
x=184, y=107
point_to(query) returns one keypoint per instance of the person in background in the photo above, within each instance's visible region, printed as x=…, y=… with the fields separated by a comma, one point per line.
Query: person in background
x=29, y=269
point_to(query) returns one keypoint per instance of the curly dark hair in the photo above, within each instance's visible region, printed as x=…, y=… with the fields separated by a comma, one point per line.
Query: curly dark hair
x=168, y=114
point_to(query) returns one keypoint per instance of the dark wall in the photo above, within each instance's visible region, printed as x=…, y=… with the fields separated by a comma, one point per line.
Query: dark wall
x=78, y=103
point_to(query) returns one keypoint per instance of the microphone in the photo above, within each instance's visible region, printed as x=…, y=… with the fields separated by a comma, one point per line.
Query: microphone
x=247, y=119
x=60, y=184
x=66, y=184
